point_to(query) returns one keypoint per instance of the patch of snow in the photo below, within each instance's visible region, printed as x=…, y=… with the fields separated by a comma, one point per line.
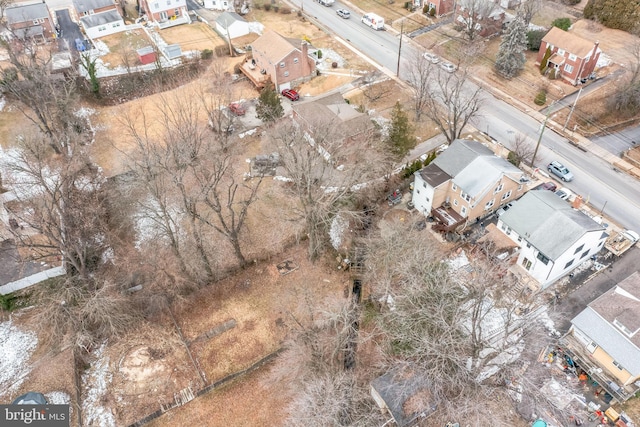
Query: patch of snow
x=459, y=261
x=549, y=325
x=338, y=226
x=282, y=178
x=58, y=398
x=603, y=60
x=3, y=102
x=16, y=347
x=329, y=56
x=256, y=27
x=94, y=387
x=247, y=133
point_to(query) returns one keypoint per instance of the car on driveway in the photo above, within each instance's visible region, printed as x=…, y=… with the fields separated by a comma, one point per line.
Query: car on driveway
x=547, y=186
x=291, y=94
x=504, y=208
x=343, y=13
x=560, y=171
x=237, y=109
x=80, y=47
x=448, y=67
x=564, y=193
x=434, y=59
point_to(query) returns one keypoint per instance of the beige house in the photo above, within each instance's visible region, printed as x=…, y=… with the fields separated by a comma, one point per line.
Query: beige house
x=464, y=184
x=605, y=338
x=285, y=62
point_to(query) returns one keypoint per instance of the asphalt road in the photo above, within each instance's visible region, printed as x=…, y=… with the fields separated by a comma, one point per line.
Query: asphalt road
x=614, y=193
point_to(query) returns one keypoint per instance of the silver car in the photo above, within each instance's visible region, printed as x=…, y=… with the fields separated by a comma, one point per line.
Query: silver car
x=560, y=170
x=431, y=57
x=448, y=67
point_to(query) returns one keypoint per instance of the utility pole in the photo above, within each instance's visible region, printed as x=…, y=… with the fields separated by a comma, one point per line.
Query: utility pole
x=226, y=28
x=572, y=108
x=544, y=125
x=400, y=47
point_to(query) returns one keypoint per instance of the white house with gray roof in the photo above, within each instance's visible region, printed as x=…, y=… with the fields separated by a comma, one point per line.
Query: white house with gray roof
x=231, y=25
x=465, y=183
x=607, y=332
x=553, y=237
x=102, y=24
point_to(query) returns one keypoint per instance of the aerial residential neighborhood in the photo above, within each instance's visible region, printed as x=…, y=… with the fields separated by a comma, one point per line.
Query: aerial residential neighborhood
x=327, y=213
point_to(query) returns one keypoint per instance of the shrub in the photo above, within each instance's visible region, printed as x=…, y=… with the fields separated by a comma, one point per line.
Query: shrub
x=267, y=7
x=334, y=65
x=206, y=54
x=513, y=158
x=552, y=74
x=432, y=11
x=562, y=23
x=276, y=8
x=221, y=51
x=307, y=39
x=534, y=39
x=545, y=59
x=541, y=98
x=319, y=53
x=425, y=9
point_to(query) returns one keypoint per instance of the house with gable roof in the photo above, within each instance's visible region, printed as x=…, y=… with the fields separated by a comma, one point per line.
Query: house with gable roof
x=30, y=22
x=605, y=338
x=165, y=14
x=285, y=62
x=231, y=25
x=465, y=183
x=573, y=58
x=554, y=238
x=332, y=110
x=99, y=18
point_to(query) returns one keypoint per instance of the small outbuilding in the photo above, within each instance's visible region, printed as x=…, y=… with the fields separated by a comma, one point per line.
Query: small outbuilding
x=147, y=55
x=231, y=25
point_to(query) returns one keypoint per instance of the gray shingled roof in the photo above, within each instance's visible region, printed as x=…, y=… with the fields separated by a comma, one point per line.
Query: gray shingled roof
x=228, y=18
x=91, y=21
x=433, y=175
x=607, y=336
x=459, y=154
x=548, y=222
x=83, y=6
x=26, y=13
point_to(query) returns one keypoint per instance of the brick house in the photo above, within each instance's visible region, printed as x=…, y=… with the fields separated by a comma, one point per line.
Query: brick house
x=165, y=13
x=573, y=57
x=442, y=7
x=284, y=61
x=465, y=183
x=485, y=26
x=91, y=7
x=30, y=22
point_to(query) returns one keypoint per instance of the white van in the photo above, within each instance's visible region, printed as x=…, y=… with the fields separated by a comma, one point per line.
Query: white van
x=374, y=21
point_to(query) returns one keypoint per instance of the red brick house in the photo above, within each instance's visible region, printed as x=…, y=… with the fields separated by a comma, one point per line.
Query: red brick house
x=284, y=61
x=484, y=25
x=573, y=58
x=442, y=7
x=30, y=22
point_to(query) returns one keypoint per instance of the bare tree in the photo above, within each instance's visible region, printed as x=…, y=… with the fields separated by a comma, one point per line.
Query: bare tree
x=528, y=9
x=626, y=98
x=521, y=150
x=373, y=87
x=325, y=174
x=453, y=102
x=421, y=71
x=472, y=13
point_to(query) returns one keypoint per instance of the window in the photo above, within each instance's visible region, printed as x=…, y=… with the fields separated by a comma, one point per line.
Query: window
x=587, y=59
x=498, y=189
x=168, y=2
x=424, y=184
x=489, y=204
x=519, y=238
x=528, y=245
x=282, y=65
x=295, y=60
x=526, y=264
x=572, y=57
x=568, y=68
x=465, y=196
x=584, y=254
x=623, y=328
x=561, y=52
x=567, y=265
x=543, y=258
x=463, y=211
x=35, y=22
x=418, y=191
x=578, y=249
x=176, y=12
x=41, y=20
x=286, y=74
x=617, y=365
x=454, y=187
x=506, y=195
x=508, y=231
x=156, y=5
x=455, y=202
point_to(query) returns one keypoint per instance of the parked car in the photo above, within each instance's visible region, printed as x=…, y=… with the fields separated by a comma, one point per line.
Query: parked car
x=448, y=67
x=343, y=13
x=560, y=171
x=291, y=94
x=549, y=186
x=563, y=193
x=237, y=109
x=504, y=208
x=431, y=57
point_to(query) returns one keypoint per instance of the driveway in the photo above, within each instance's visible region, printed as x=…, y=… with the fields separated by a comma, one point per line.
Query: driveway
x=69, y=30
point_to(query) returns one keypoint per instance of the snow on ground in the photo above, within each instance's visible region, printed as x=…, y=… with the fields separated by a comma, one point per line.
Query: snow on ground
x=603, y=60
x=16, y=347
x=549, y=325
x=328, y=58
x=94, y=386
x=58, y=398
x=338, y=227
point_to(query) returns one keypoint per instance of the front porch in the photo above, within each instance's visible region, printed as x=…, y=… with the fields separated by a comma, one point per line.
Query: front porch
x=175, y=20
x=258, y=77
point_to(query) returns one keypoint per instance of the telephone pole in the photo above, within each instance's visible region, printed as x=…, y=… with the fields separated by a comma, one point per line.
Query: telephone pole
x=400, y=47
x=544, y=125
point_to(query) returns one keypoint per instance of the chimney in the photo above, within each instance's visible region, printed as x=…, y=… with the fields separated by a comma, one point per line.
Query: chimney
x=306, y=70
